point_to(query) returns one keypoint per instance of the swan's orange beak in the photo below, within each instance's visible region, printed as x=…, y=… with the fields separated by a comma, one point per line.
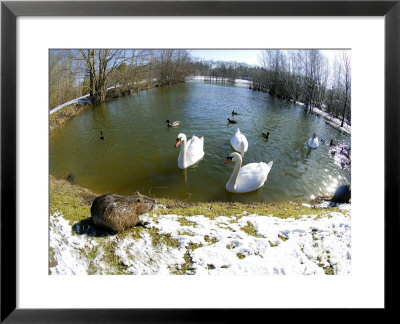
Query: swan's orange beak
x=228, y=161
x=178, y=141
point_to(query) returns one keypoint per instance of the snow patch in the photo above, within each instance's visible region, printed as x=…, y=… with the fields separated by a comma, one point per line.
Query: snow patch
x=222, y=246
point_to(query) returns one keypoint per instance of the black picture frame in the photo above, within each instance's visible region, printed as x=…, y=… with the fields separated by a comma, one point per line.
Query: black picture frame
x=11, y=10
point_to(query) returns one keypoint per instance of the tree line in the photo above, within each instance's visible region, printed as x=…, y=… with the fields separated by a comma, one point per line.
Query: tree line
x=298, y=75
x=307, y=76
x=222, y=70
x=104, y=73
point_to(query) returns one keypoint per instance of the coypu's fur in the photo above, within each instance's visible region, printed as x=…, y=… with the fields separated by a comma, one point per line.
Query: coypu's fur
x=120, y=212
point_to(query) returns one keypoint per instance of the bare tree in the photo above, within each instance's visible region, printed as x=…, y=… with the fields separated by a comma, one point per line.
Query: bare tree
x=100, y=64
x=311, y=61
x=346, y=76
x=272, y=62
x=170, y=65
x=63, y=77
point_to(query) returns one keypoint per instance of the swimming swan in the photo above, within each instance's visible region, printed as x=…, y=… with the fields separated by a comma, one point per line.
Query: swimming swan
x=248, y=178
x=313, y=141
x=191, y=152
x=239, y=142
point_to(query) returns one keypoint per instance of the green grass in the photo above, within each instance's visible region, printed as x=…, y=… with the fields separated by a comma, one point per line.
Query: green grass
x=215, y=209
x=91, y=255
x=185, y=222
x=250, y=230
x=194, y=246
x=187, y=266
x=282, y=237
x=185, y=233
x=63, y=115
x=111, y=259
x=240, y=255
x=313, y=232
x=72, y=201
x=52, y=260
x=162, y=239
x=210, y=239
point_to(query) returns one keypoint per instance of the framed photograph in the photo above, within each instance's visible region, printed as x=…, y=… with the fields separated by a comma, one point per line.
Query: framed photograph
x=304, y=94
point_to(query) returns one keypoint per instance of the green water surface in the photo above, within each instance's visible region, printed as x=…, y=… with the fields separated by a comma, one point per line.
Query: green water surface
x=138, y=153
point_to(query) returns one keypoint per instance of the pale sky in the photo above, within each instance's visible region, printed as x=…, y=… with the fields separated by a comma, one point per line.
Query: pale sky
x=247, y=56
x=240, y=56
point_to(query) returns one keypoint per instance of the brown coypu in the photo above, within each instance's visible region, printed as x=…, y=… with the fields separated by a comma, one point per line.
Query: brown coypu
x=119, y=212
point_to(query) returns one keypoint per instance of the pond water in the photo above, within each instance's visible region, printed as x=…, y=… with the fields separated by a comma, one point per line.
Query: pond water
x=138, y=153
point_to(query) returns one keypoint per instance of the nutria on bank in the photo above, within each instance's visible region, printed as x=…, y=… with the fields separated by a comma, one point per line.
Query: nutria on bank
x=120, y=212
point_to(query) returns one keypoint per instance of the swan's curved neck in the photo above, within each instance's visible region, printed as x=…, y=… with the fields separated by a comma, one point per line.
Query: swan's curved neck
x=242, y=149
x=182, y=156
x=232, y=180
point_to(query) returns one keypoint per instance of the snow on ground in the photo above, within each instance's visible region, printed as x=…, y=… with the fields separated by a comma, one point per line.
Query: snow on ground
x=79, y=100
x=335, y=122
x=203, y=78
x=246, y=244
x=67, y=247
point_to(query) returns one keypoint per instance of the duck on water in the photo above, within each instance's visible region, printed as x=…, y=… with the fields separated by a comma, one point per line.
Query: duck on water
x=172, y=124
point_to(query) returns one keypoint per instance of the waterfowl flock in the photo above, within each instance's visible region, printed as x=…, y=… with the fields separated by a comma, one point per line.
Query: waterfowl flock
x=245, y=178
x=340, y=153
x=249, y=177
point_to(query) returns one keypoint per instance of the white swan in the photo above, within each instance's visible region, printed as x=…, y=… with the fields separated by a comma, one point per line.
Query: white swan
x=248, y=178
x=313, y=141
x=191, y=152
x=239, y=142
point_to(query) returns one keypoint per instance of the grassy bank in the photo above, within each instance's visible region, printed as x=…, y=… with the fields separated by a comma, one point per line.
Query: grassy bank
x=63, y=115
x=179, y=236
x=74, y=203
